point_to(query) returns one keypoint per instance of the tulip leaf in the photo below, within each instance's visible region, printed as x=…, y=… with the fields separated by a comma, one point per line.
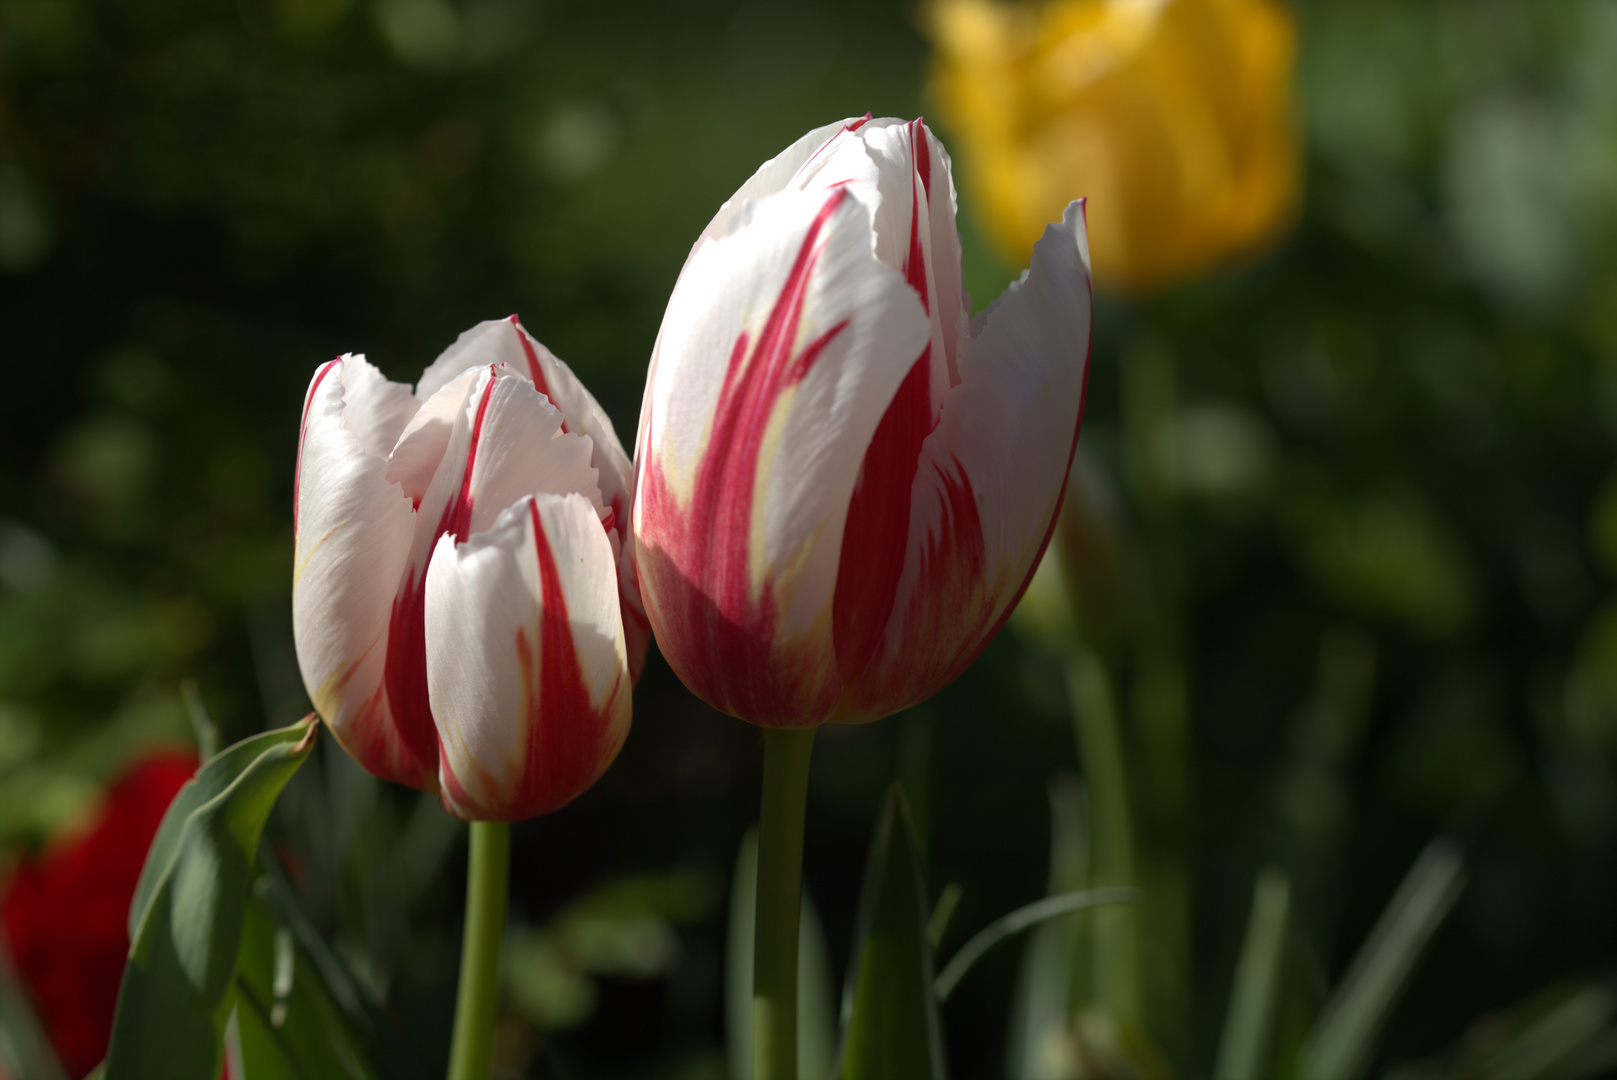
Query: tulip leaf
x=816, y=1026
x=25, y=1049
x=1245, y=1049
x=890, y=1024
x=215, y=775
x=187, y=920
x=1343, y=1040
x=1042, y=1003
x=289, y=1023
x=1051, y=907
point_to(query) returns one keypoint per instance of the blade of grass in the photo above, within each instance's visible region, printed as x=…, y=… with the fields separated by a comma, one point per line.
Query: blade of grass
x=1017, y=921
x=1249, y=1026
x=1557, y=1037
x=1342, y=1043
x=1043, y=1002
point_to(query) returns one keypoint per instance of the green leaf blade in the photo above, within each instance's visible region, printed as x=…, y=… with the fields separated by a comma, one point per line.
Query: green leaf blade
x=176, y=994
x=1244, y=1051
x=1342, y=1043
x=891, y=1026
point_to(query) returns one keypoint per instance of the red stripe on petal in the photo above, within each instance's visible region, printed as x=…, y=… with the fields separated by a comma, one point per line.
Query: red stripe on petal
x=915, y=257
x=713, y=617
x=535, y=369
x=947, y=606
x=404, y=671
x=457, y=517
x=876, y=535
x=753, y=384
x=566, y=733
x=846, y=129
x=921, y=149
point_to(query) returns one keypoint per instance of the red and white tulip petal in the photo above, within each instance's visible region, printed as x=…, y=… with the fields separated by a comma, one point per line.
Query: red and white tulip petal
x=991, y=477
x=903, y=173
x=352, y=540
x=875, y=538
x=506, y=442
x=526, y=660
x=584, y=416
x=777, y=174
x=425, y=439
x=374, y=407
x=749, y=465
x=506, y=345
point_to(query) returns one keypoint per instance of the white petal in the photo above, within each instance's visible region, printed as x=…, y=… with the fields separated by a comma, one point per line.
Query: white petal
x=421, y=446
x=797, y=415
x=505, y=345
x=488, y=343
x=526, y=663
x=774, y=176
x=352, y=536
x=375, y=408
x=991, y=474
x=510, y=438
x=583, y=416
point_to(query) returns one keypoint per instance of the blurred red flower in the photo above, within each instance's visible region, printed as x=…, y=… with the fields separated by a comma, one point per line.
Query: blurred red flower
x=65, y=914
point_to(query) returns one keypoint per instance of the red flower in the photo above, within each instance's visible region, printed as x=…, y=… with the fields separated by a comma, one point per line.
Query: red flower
x=66, y=914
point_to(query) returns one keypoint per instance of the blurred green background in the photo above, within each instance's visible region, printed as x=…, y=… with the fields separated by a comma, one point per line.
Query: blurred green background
x=1393, y=443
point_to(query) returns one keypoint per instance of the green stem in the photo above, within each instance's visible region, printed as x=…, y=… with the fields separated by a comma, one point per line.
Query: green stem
x=780, y=879
x=478, y=1000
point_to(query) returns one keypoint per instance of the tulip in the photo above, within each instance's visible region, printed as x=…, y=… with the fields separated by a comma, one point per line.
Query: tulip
x=463, y=600
x=844, y=482
x=463, y=593
x=1174, y=116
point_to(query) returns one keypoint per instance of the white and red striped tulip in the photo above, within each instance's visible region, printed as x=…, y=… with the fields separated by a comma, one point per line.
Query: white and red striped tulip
x=844, y=482
x=463, y=595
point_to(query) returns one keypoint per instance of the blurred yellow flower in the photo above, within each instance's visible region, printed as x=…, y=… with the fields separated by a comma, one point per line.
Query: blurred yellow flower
x=1173, y=116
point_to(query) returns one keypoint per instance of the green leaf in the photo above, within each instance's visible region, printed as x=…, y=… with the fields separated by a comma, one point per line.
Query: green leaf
x=1342, y=1043
x=816, y=1029
x=890, y=1024
x=1023, y=917
x=1244, y=1052
x=1042, y=1004
x=388, y=1048
x=1558, y=1044
x=289, y=1024
x=188, y=915
x=217, y=774
x=25, y=1050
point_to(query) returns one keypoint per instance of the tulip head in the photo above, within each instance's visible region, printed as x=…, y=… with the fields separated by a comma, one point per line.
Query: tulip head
x=1173, y=116
x=463, y=597
x=843, y=481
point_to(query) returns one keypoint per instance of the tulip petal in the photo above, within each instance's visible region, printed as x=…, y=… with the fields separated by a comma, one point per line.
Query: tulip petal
x=421, y=445
x=748, y=466
x=352, y=539
x=776, y=174
x=913, y=173
x=374, y=407
x=506, y=342
x=506, y=442
x=526, y=661
x=991, y=477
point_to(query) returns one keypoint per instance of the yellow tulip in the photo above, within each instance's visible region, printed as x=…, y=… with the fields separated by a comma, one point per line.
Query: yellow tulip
x=1173, y=116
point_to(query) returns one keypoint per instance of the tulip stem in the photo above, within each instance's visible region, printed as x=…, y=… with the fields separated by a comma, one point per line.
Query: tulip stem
x=478, y=999
x=780, y=880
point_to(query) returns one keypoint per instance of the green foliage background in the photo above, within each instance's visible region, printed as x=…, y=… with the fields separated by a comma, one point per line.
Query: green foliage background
x=1394, y=458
